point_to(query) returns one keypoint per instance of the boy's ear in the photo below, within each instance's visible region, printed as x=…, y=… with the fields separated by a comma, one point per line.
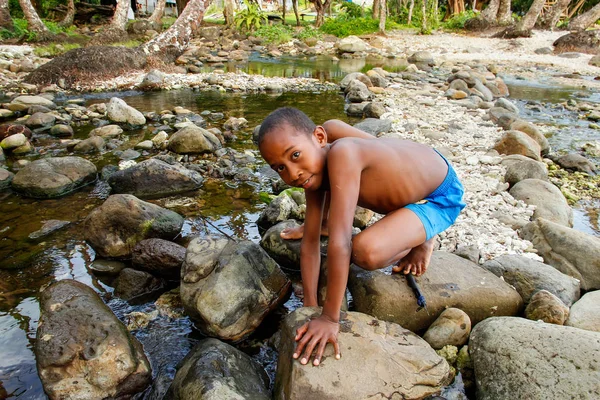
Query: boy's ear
x=321, y=135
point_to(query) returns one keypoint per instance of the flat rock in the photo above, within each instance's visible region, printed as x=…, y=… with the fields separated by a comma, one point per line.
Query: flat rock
x=548, y=200
x=585, y=314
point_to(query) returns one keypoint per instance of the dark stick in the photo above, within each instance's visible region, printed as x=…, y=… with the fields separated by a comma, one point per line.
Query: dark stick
x=410, y=279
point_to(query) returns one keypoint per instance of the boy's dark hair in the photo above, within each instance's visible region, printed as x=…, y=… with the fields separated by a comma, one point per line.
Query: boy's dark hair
x=286, y=116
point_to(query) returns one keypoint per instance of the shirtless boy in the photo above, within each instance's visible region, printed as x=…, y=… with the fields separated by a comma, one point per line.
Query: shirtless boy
x=412, y=184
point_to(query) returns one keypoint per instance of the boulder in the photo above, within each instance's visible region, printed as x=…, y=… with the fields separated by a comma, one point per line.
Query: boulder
x=450, y=281
x=351, y=44
x=49, y=227
x=545, y=306
x=515, y=358
x=533, y=132
x=40, y=120
x=508, y=105
x=583, y=42
x=517, y=142
x=576, y=162
x=502, y=117
x=61, y=130
x=123, y=220
x=118, y=111
x=374, y=110
x=193, y=139
x=572, y=252
x=54, y=176
x=235, y=124
x=82, y=349
x=281, y=208
x=23, y=103
x=132, y=284
x=452, y=327
x=107, y=131
x=152, y=81
x=355, y=76
x=379, y=360
x=529, y=276
x=585, y=314
x=519, y=168
x=548, y=200
x=214, y=370
x=13, y=142
x=155, y=178
x=228, y=288
x=94, y=144
x=357, y=92
x=374, y=126
x=6, y=178
x=160, y=257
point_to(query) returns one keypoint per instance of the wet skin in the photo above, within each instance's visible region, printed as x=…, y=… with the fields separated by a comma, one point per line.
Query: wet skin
x=383, y=175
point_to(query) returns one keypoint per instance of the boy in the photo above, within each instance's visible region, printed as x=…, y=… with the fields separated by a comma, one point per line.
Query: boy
x=412, y=184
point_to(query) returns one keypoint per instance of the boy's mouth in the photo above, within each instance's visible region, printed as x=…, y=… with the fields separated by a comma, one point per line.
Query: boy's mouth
x=306, y=183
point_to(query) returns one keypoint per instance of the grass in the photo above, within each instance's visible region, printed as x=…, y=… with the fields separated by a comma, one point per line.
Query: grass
x=55, y=49
x=128, y=43
x=21, y=32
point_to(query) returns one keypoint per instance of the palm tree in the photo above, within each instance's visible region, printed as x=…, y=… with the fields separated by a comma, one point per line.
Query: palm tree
x=583, y=21
x=119, y=19
x=550, y=20
x=34, y=22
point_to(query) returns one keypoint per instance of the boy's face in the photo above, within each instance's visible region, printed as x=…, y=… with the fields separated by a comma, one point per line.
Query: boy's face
x=299, y=159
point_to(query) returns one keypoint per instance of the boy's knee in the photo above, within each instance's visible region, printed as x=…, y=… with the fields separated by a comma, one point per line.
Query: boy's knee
x=364, y=255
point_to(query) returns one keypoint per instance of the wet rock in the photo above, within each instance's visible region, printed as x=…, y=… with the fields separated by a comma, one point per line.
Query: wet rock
x=193, y=139
x=576, y=162
x=519, y=168
x=452, y=327
x=354, y=76
x=132, y=284
x=14, y=141
x=571, y=252
x=374, y=110
x=23, y=103
x=228, y=288
x=502, y=117
x=94, y=144
x=357, y=92
x=546, y=307
x=281, y=208
x=83, y=350
x=160, y=139
x=393, y=362
x=61, y=131
x=108, y=267
x=145, y=145
x=548, y=199
x=155, y=178
x=585, y=314
x=40, y=120
x=153, y=80
x=235, y=124
x=529, y=276
x=107, y=131
x=6, y=178
x=160, y=257
x=118, y=111
x=374, y=126
x=54, y=176
x=114, y=228
x=517, y=142
x=351, y=44
x=508, y=105
x=450, y=281
x=515, y=358
x=24, y=149
x=532, y=131
x=214, y=370
x=48, y=227
x=356, y=109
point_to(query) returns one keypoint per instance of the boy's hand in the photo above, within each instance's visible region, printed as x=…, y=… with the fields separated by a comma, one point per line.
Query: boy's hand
x=317, y=332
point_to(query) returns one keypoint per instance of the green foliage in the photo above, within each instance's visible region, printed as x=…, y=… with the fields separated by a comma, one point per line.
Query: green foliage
x=55, y=49
x=458, y=21
x=342, y=26
x=22, y=32
x=129, y=43
x=275, y=34
x=352, y=10
x=167, y=21
x=251, y=18
x=309, y=32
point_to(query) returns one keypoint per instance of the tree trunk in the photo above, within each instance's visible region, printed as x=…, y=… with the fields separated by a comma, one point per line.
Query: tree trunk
x=583, y=21
x=180, y=33
x=181, y=5
x=320, y=8
x=34, y=23
x=490, y=14
x=228, y=12
x=375, y=10
x=424, y=20
x=6, y=21
x=295, y=5
x=382, y=15
x=410, y=11
x=119, y=19
x=283, y=13
x=70, y=15
x=527, y=23
x=550, y=20
x=159, y=10
x=504, y=13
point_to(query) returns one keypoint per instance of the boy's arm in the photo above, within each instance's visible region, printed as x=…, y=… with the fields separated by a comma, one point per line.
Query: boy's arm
x=310, y=249
x=344, y=176
x=337, y=129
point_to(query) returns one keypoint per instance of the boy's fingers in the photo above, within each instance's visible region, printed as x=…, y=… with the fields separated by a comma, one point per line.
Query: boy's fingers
x=301, y=331
x=320, y=351
x=308, y=350
x=336, y=348
x=300, y=346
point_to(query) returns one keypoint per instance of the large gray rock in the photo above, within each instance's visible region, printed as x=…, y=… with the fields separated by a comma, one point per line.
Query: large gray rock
x=450, y=281
x=228, y=288
x=517, y=142
x=82, y=349
x=192, y=139
x=380, y=360
x=351, y=44
x=357, y=92
x=452, y=327
x=529, y=276
x=571, y=252
x=214, y=370
x=155, y=178
x=576, y=162
x=23, y=103
x=281, y=208
x=54, y=176
x=123, y=220
x=374, y=126
x=39, y=120
x=119, y=111
x=159, y=257
x=519, y=168
x=107, y=131
x=585, y=314
x=548, y=200
x=515, y=358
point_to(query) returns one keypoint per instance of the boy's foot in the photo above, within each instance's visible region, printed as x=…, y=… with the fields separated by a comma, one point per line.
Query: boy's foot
x=298, y=232
x=417, y=260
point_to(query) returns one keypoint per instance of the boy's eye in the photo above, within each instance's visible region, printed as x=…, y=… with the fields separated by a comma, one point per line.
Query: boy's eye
x=279, y=168
x=296, y=154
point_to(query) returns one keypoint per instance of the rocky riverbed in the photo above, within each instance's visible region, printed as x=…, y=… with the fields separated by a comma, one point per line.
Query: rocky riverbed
x=512, y=257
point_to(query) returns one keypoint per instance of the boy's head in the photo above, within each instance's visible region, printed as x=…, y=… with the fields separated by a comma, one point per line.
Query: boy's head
x=294, y=147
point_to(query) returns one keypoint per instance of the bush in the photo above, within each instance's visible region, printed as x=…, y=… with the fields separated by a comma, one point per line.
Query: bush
x=23, y=33
x=309, y=32
x=250, y=18
x=275, y=34
x=343, y=26
x=458, y=21
x=352, y=10
x=54, y=49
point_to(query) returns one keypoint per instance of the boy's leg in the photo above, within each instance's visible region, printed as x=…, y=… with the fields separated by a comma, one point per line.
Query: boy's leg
x=399, y=237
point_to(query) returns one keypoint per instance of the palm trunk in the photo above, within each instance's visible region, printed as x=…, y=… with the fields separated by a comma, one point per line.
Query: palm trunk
x=375, y=9
x=554, y=14
x=410, y=11
x=490, y=14
x=382, y=15
x=527, y=23
x=159, y=10
x=68, y=19
x=504, y=13
x=295, y=5
x=34, y=23
x=583, y=21
x=283, y=13
x=424, y=12
x=180, y=33
x=6, y=21
x=119, y=19
x=228, y=12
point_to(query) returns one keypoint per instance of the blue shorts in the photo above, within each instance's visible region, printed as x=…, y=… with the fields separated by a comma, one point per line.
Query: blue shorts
x=440, y=209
